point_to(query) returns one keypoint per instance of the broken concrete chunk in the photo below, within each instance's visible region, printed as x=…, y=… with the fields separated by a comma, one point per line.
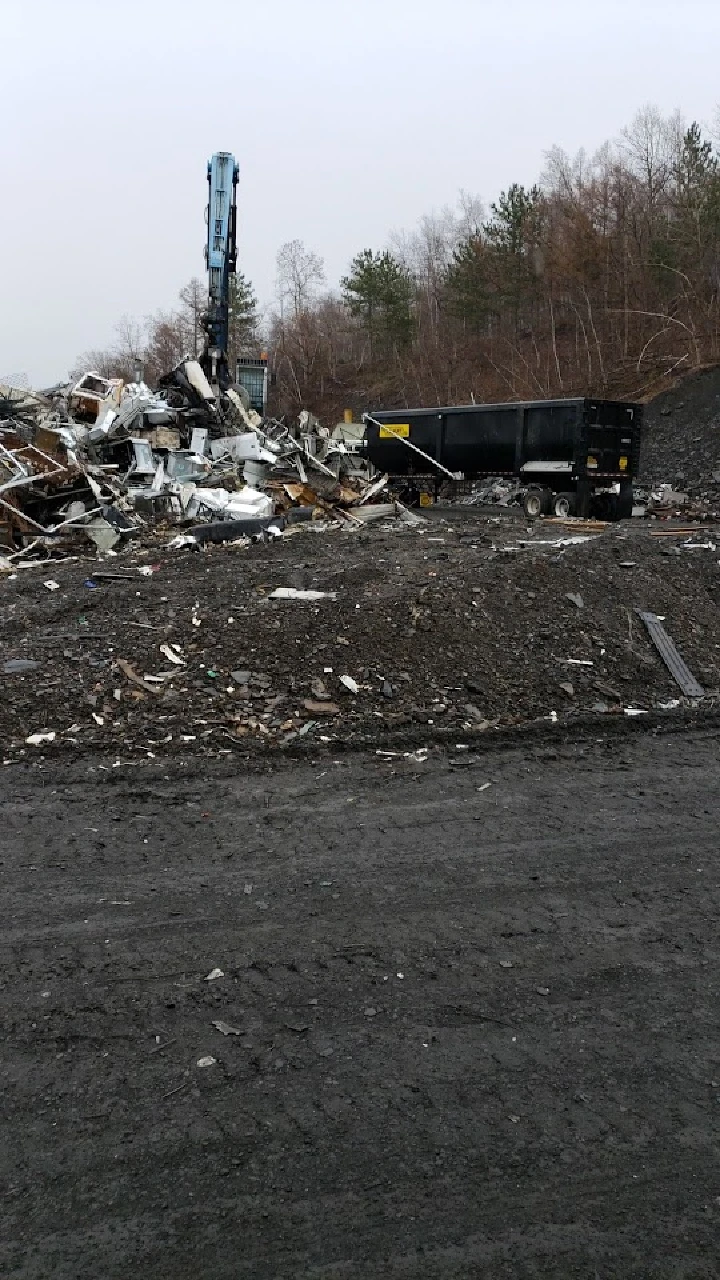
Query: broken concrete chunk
x=225, y=1029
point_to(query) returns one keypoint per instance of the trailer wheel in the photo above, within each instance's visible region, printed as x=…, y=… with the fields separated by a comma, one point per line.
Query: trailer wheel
x=535, y=503
x=564, y=505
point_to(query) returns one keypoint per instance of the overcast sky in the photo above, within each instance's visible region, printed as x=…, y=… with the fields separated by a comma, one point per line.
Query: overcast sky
x=348, y=119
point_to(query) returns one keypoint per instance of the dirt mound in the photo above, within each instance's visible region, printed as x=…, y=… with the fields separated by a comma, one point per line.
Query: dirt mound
x=458, y=623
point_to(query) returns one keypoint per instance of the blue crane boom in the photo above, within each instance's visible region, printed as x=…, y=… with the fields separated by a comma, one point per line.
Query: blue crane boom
x=221, y=261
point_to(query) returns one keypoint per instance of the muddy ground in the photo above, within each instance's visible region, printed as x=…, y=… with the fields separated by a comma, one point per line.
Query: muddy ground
x=461, y=624
x=461, y=1030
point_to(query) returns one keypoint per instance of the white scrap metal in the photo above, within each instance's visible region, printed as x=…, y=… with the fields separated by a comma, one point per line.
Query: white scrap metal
x=293, y=593
x=197, y=379
x=171, y=655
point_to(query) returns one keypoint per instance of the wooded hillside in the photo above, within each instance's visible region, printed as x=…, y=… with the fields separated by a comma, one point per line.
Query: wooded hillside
x=603, y=278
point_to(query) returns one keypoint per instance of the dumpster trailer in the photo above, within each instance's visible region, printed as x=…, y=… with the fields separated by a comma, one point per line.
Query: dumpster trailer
x=569, y=457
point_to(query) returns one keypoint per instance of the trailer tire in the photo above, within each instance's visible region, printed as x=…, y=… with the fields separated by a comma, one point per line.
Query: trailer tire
x=536, y=502
x=564, y=505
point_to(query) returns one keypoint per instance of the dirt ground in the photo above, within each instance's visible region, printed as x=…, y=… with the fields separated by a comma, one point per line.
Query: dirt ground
x=461, y=1030
x=462, y=907
x=461, y=624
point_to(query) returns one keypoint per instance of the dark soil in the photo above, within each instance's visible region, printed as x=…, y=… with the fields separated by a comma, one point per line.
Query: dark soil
x=473, y=1030
x=681, y=442
x=446, y=629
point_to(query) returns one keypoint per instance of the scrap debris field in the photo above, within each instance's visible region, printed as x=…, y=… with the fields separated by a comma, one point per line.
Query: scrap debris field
x=458, y=624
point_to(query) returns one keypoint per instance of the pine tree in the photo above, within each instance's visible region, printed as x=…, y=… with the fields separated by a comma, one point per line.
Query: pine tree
x=467, y=284
x=243, y=317
x=379, y=291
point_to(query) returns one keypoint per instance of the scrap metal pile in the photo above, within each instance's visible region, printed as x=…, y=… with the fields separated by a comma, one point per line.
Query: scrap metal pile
x=100, y=461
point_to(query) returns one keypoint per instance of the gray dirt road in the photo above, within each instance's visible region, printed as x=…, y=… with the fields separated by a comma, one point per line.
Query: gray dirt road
x=473, y=1032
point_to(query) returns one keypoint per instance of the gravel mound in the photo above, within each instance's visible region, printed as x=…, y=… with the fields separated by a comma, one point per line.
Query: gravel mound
x=681, y=444
x=465, y=623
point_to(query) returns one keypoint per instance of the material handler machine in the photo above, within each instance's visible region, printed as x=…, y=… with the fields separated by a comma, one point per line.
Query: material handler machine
x=221, y=262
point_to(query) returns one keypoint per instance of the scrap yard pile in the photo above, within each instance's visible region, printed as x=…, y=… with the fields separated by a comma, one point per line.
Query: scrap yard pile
x=99, y=462
x=179, y=576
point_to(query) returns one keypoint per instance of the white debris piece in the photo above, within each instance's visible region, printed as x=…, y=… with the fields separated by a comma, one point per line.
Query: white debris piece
x=171, y=655
x=349, y=683
x=248, y=446
x=293, y=593
x=182, y=540
x=37, y=739
x=573, y=540
x=213, y=974
x=249, y=503
x=197, y=379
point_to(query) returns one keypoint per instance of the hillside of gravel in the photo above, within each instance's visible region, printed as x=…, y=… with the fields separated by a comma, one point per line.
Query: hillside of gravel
x=681, y=443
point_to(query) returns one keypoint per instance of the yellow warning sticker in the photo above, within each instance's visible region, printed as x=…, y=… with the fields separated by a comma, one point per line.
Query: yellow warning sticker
x=426, y=499
x=623, y=464
x=392, y=430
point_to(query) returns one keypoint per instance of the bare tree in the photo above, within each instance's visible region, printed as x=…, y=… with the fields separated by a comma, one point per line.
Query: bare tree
x=167, y=343
x=300, y=273
x=652, y=144
x=193, y=300
x=471, y=214
x=104, y=362
x=564, y=175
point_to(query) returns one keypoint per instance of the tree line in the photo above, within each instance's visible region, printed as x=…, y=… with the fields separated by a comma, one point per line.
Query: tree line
x=603, y=278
